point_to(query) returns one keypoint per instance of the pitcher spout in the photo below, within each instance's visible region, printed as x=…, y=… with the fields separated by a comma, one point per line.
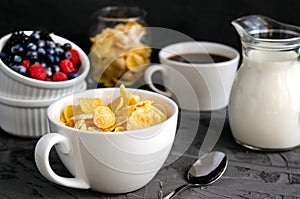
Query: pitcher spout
x=262, y=30
x=248, y=25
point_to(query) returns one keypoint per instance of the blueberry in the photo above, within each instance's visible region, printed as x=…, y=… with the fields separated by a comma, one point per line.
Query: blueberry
x=17, y=59
x=49, y=71
x=36, y=62
x=17, y=49
x=9, y=59
x=41, y=52
x=67, y=46
x=58, y=45
x=33, y=58
x=72, y=75
x=12, y=66
x=51, y=44
x=45, y=35
x=35, y=36
x=21, y=69
x=67, y=55
x=56, y=59
x=31, y=53
x=55, y=68
x=50, y=59
x=41, y=43
x=59, y=51
x=50, y=51
x=3, y=55
x=43, y=63
x=31, y=46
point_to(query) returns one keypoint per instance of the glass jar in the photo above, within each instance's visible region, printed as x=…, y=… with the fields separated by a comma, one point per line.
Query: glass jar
x=119, y=53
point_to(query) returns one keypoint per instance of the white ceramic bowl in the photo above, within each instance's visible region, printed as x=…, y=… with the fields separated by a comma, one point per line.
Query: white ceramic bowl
x=14, y=85
x=26, y=118
x=108, y=162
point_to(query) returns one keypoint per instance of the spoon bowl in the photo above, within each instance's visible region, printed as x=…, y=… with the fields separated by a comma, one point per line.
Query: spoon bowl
x=206, y=170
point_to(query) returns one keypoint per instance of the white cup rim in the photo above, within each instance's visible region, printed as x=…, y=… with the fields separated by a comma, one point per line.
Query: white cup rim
x=52, y=108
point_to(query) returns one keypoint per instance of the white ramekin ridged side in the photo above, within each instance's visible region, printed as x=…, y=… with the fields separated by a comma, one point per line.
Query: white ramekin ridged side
x=23, y=117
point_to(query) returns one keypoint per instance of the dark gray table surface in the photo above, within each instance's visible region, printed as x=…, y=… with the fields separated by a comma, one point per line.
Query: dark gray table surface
x=250, y=174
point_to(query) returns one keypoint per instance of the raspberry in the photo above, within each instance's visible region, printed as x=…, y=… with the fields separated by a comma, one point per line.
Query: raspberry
x=66, y=66
x=59, y=76
x=75, y=58
x=37, y=71
x=25, y=63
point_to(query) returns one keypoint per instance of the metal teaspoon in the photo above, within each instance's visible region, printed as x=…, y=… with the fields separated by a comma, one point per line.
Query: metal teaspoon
x=204, y=171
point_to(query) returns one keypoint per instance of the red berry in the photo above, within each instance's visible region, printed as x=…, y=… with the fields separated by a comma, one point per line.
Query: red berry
x=66, y=66
x=37, y=71
x=59, y=76
x=26, y=63
x=75, y=58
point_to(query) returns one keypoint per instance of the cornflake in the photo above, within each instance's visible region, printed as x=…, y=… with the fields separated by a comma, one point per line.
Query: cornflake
x=126, y=112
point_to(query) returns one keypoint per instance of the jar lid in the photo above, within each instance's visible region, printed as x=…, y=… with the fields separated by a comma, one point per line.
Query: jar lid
x=121, y=13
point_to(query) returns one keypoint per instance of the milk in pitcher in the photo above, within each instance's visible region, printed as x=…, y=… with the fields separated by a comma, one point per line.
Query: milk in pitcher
x=265, y=101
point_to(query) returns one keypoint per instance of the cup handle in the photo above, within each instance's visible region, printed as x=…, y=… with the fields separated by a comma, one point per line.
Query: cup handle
x=42, y=151
x=148, y=78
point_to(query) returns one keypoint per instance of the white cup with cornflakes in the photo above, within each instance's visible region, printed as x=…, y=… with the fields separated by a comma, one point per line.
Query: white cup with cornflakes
x=198, y=75
x=109, y=162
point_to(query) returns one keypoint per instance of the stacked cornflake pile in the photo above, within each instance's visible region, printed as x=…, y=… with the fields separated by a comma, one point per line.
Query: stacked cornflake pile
x=38, y=56
x=126, y=112
x=118, y=55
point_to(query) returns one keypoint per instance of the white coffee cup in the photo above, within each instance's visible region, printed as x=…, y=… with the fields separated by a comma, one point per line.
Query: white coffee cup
x=198, y=87
x=108, y=162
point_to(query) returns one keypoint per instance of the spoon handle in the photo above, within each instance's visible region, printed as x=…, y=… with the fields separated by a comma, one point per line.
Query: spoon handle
x=176, y=191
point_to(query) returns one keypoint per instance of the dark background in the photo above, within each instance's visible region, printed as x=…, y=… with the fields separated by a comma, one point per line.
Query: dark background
x=208, y=20
x=249, y=175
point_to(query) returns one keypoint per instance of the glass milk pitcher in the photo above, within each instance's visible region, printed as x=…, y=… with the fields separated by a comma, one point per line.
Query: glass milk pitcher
x=264, y=107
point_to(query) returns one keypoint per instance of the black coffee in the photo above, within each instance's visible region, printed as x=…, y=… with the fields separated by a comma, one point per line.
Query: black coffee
x=199, y=58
